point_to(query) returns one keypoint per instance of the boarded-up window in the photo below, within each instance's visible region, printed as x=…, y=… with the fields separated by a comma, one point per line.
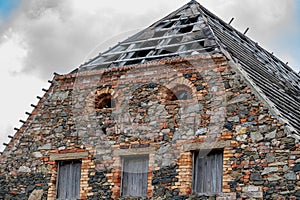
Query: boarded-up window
x=135, y=176
x=208, y=168
x=68, y=180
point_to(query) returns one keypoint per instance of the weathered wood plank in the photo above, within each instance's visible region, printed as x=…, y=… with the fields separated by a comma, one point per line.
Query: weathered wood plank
x=135, y=176
x=68, y=184
x=208, y=171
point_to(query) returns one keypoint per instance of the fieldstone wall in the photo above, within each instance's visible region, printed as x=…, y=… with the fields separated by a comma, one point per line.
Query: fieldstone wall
x=100, y=185
x=162, y=180
x=22, y=185
x=261, y=160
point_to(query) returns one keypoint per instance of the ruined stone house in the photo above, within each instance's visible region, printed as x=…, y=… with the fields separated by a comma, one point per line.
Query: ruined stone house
x=189, y=108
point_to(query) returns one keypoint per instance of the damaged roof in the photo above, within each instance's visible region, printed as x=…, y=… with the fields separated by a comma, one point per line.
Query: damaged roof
x=191, y=30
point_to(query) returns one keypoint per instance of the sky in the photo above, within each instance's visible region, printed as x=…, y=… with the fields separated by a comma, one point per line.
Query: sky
x=38, y=38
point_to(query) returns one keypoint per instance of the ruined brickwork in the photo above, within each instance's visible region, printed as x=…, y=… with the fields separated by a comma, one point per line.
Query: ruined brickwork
x=260, y=160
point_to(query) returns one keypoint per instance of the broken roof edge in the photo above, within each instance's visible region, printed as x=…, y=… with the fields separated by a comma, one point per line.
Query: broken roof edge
x=163, y=61
x=211, y=20
x=248, y=39
x=259, y=93
x=85, y=63
x=262, y=97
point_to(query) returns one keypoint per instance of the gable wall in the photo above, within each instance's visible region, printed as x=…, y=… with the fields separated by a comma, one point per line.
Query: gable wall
x=260, y=161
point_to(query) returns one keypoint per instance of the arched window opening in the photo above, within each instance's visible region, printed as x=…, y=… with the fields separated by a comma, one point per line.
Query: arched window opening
x=181, y=92
x=104, y=101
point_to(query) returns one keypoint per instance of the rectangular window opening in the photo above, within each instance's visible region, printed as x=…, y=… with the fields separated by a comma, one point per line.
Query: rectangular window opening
x=135, y=176
x=208, y=172
x=68, y=180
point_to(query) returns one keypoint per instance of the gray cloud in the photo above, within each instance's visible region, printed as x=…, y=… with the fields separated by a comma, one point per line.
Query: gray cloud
x=58, y=37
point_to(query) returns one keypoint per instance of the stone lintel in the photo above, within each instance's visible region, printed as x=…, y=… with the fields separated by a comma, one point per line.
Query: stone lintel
x=69, y=156
x=206, y=145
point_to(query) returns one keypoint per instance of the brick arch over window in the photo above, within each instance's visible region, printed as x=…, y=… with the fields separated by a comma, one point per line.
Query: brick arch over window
x=104, y=98
x=104, y=101
x=181, y=92
x=181, y=89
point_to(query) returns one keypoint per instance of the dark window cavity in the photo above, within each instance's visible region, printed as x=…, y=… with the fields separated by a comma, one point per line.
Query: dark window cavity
x=181, y=92
x=104, y=101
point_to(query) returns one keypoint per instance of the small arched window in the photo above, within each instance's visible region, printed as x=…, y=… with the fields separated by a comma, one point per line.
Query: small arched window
x=104, y=101
x=181, y=92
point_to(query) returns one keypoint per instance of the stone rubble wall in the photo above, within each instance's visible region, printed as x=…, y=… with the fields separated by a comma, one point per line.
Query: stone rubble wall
x=260, y=160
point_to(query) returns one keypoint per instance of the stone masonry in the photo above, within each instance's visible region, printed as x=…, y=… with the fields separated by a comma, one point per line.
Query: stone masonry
x=261, y=160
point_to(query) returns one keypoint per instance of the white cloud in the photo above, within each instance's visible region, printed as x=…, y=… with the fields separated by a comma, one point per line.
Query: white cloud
x=17, y=92
x=59, y=34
